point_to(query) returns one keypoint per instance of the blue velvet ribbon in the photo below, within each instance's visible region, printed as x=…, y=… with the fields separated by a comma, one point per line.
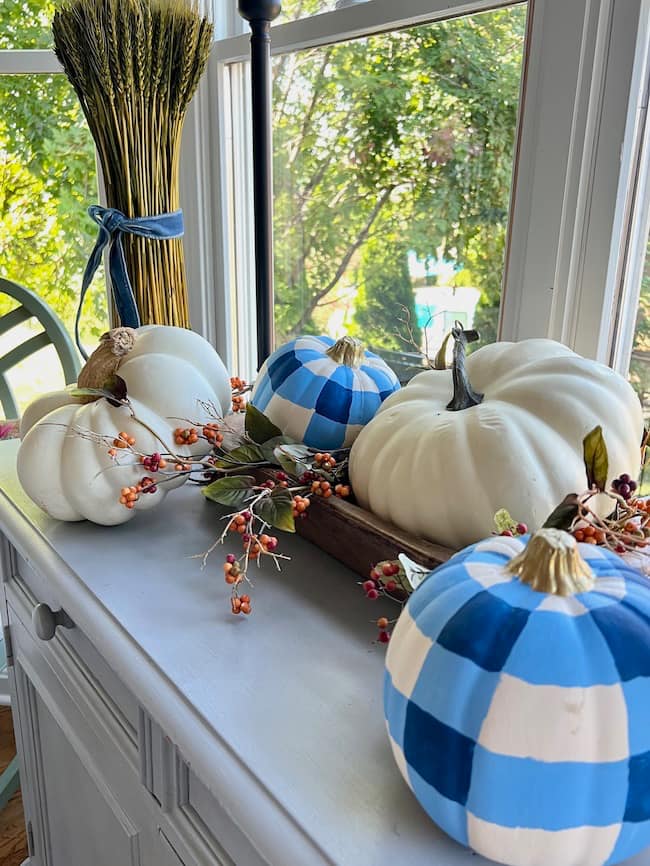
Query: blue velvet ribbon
x=112, y=225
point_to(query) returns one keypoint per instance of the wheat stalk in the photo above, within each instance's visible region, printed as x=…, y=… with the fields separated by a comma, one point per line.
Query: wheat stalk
x=135, y=65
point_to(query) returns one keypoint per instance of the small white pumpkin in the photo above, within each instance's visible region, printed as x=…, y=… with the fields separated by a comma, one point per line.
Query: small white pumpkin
x=442, y=467
x=172, y=371
x=172, y=376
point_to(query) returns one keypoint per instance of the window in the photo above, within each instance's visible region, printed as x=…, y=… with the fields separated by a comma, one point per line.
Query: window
x=48, y=178
x=539, y=259
x=392, y=166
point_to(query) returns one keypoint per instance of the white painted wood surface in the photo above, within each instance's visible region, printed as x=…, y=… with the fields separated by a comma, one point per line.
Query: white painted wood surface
x=279, y=716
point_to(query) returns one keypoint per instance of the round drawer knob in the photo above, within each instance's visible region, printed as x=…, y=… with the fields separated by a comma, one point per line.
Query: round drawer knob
x=45, y=621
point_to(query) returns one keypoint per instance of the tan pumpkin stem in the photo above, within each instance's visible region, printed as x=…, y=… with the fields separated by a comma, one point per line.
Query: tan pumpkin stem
x=113, y=348
x=347, y=351
x=551, y=563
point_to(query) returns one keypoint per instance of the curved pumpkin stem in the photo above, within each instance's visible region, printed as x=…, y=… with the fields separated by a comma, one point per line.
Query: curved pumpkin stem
x=551, y=563
x=347, y=351
x=464, y=395
x=113, y=348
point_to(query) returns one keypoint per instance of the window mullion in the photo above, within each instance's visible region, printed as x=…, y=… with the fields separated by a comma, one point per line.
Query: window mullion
x=363, y=19
x=26, y=61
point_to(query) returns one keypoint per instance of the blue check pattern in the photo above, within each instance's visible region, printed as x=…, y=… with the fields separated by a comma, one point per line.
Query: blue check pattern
x=317, y=401
x=521, y=721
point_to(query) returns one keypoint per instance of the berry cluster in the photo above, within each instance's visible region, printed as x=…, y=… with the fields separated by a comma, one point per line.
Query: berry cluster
x=213, y=434
x=183, y=467
x=122, y=440
x=153, y=462
x=382, y=582
x=185, y=436
x=130, y=495
x=239, y=386
x=240, y=604
x=321, y=488
x=325, y=461
x=624, y=486
x=588, y=534
x=300, y=506
x=342, y=490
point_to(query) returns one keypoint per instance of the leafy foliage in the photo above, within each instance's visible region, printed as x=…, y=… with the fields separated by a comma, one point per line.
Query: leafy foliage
x=277, y=510
x=47, y=177
x=596, y=458
x=258, y=427
x=232, y=490
x=393, y=142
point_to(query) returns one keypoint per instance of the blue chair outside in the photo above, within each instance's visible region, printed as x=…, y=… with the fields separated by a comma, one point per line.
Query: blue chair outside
x=32, y=307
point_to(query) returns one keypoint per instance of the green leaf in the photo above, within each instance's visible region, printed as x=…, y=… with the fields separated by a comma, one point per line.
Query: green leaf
x=88, y=392
x=563, y=516
x=233, y=490
x=277, y=510
x=503, y=521
x=259, y=427
x=596, y=460
x=294, y=459
x=241, y=456
x=269, y=447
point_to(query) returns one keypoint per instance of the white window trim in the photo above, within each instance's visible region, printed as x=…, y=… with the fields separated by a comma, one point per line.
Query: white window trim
x=579, y=75
x=570, y=198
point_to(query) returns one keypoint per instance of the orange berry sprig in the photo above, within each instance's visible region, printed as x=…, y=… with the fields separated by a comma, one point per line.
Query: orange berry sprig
x=130, y=495
x=239, y=388
x=325, y=461
x=300, y=506
x=185, y=436
x=122, y=440
x=382, y=582
x=213, y=434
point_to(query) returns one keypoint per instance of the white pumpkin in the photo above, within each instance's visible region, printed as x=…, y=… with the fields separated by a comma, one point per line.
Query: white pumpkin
x=172, y=377
x=442, y=474
x=170, y=370
x=72, y=477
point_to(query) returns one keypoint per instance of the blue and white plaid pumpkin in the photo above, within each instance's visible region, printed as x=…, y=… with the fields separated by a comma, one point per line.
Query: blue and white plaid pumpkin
x=521, y=719
x=322, y=392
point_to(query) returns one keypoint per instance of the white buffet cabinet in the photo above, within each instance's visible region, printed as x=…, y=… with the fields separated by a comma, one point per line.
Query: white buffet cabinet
x=156, y=729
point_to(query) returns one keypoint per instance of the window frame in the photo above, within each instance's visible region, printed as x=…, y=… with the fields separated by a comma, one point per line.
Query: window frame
x=569, y=209
x=578, y=78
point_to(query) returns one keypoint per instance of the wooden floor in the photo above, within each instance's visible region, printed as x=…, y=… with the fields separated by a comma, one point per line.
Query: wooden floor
x=13, y=841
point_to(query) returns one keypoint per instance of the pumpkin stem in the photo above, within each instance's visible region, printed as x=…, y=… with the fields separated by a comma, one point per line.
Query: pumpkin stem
x=347, y=351
x=551, y=563
x=113, y=347
x=464, y=395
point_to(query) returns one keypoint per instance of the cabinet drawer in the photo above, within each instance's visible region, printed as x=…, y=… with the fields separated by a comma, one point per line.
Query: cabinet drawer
x=70, y=649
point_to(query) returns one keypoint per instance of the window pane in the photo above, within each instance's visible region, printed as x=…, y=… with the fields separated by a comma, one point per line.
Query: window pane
x=47, y=180
x=294, y=9
x=26, y=23
x=392, y=171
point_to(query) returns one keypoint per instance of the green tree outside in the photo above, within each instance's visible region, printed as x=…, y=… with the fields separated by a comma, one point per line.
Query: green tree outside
x=47, y=178
x=401, y=141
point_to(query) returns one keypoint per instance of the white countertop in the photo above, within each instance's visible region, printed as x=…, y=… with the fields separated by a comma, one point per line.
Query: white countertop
x=280, y=713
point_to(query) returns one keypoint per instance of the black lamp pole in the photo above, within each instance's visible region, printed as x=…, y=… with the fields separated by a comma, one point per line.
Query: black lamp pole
x=259, y=14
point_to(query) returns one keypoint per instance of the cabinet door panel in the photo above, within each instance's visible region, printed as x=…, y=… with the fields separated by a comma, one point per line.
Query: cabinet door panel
x=85, y=822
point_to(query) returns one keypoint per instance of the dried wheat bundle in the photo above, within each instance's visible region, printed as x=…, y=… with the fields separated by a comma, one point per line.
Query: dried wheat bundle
x=135, y=65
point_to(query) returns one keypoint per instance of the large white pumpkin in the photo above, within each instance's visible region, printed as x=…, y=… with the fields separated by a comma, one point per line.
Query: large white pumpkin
x=442, y=474
x=173, y=377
